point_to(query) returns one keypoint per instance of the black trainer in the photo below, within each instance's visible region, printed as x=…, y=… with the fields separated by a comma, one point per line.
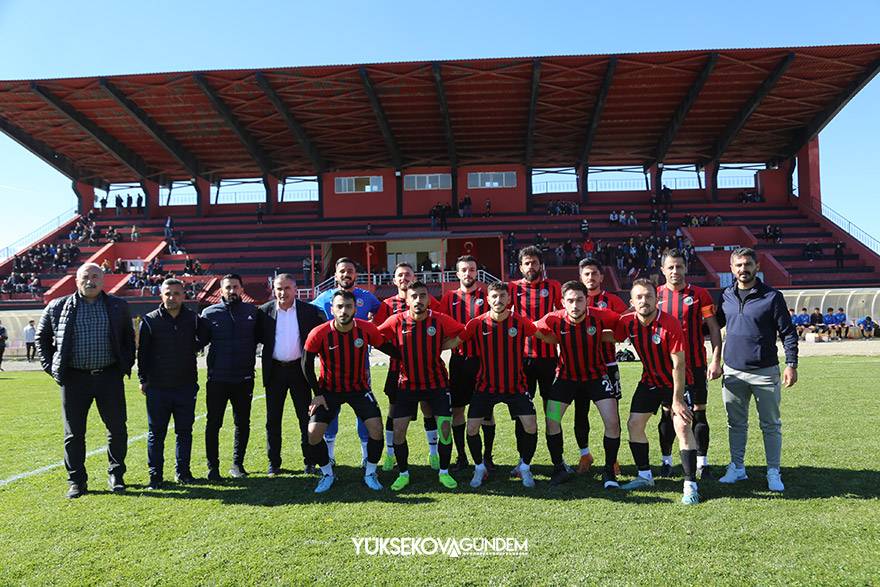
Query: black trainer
x=609, y=480
x=156, y=482
x=273, y=471
x=214, y=476
x=185, y=479
x=117, y=485
x=665, y=470
x=460, y=464
x=238, y=471
x=705, y=474
x=312, y=469
x=561, y=474
x=77, y=490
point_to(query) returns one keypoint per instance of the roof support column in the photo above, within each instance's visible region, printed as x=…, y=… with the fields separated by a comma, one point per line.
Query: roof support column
x=398, y=191
x=655, y=172
x=270, y=182
x=710, y=171
x=581, y=172
x=809, y=194
x=85, y=195
x=151, y=195
x=203, y=196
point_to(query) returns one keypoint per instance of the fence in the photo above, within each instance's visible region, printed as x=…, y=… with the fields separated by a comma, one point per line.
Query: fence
x=638, y=184
x=37, y=234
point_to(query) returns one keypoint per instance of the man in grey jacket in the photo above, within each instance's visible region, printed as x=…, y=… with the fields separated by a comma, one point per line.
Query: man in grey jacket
x=755, y=315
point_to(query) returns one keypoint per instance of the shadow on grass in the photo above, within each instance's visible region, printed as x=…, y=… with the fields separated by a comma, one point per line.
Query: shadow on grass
x=802, y=483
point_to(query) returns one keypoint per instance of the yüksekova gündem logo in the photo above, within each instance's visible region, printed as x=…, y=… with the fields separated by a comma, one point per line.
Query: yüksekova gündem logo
x=430, y=546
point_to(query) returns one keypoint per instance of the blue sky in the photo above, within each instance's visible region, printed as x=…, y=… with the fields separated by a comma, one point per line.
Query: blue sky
x=59, y=39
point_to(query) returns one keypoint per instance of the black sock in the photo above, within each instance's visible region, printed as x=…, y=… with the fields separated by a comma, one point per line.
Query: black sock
x=701, y=432
x=526, y=444
x=445, y=451
x=612, y=447
x=458, y=438
x=430, y=423
x=489, y=438
x=554, y=445
x=389, y=423
x=476, y=446
x=582, y=421
x=320, y=456
x=667, y=432
x=688, y=464
x=374, y=450
x=640, y=455
x=401, y=451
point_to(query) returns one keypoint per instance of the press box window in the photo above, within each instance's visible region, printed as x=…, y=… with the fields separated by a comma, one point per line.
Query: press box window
x=437, y=181
x=353, y=185
x=496, y=179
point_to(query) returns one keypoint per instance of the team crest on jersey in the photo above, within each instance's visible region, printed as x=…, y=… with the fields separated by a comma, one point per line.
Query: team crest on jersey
x=656, y=338
x=358, y=342
x=359, y=302
x=512, y=331
x=591, y=330
x=602, y=305
x=479, y=302
x=688, y=301
x=431, y=331
x=545, y=292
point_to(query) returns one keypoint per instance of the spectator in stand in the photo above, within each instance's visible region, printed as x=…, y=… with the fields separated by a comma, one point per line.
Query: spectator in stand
x=129, y=201
x=434, y=215
x=135, y=235
x=838, y=254
x=866, y=327
x=777, y=233
x=655, y=221
x=103, y=203
x=842, y=325
x=613, y=218
x=105, y=266
x=585, y=228
x=664, y=221
x=468, y=206
x=3, y=338
x=540, y=241
x=34, y=286
x=631, y=219
x=118, y=266
x=443, y=212
x=118, y=204
x=666, y=196
x=140, y=203
x=260, y=211
x=169, y=228
x=488, y=208
x=718, y=220
x=812, y=251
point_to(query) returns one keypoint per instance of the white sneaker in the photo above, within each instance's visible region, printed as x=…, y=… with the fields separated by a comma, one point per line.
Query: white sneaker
x=479, y=472
x=774, y=480
x=527, y=479
x=733, y=474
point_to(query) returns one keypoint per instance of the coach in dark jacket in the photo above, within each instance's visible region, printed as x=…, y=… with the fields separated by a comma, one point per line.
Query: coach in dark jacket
x=85, y=341
x=230, y=327
x=756, y=315
x=285, y=323
x=166, y=357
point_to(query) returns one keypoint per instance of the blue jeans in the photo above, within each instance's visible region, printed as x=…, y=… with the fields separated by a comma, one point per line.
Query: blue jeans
x=162, y=404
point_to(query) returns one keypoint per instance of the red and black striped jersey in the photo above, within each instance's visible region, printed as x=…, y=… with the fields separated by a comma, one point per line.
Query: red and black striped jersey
x=534, y=300
x=420, y=343
x=654, y=343
x=581, y=357
x=343, y=355
x=690, y=306
x=501, y=347
x=608, y=301
x=463, y=306
x=395, y=305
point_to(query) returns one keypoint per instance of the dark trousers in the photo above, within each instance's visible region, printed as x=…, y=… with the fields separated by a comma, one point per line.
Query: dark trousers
x=284, y=380
x=217, y=395
x=31, y=350
x=2, y=350
x=162, y=404
x=77, y=393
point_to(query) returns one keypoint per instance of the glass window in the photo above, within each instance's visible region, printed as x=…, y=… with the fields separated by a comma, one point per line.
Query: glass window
x=349, y=185
x=433, y=181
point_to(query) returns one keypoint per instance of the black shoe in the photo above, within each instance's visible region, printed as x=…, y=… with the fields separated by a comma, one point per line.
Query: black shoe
x=705, y=474
x=490, y=464
x=609, y=480
x=273, y=471
x=185, y=479
x=214, y=476
x=238, y=471
x=665, y=470
x=561, y=474
x=77, y=490
x=312, y=470
x=460, y=465
x=155, y=482
x=117, y=485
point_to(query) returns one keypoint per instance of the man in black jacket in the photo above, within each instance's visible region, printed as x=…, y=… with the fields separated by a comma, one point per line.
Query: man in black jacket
x=166, y=358
x=230, y=327
x=285, y=323
x=85, y=341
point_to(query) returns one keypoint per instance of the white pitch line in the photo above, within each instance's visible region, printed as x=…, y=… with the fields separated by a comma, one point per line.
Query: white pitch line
x=91, y=453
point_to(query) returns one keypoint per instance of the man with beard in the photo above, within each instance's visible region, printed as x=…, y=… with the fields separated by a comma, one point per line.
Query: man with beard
x=404, y=275
x=659, y=341
x=419, y=335
x=590, y=272
x=230, y=327
x=692, y=306
x=463, y=304
x=366, y=306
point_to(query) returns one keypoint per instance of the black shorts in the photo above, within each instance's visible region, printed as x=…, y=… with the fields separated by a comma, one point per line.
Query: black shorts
x=362, y=402
x=647, y=399
x=518, y=404
x=462, y=379
x=391, y=385
x=614, y=376
x=698, y=391
x=540, y=374
x=595, y=390
x=407, y=403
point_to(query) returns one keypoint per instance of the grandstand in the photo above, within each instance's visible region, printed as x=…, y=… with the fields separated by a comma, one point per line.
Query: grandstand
x=383, y=143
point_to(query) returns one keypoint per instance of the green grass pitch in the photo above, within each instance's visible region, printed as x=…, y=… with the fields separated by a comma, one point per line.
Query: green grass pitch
x=825, y=529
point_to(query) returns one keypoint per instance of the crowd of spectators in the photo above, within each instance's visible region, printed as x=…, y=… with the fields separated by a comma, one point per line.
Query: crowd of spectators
x=127, y=204
x=696, y=221
x=623, y=218
x=439, y=215
x=563, y=208
x=750, y=196
x=812, y=251
x=772, y=233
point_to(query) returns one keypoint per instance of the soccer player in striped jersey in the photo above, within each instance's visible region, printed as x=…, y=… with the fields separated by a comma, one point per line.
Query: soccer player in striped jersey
x=590, y=273
x=500, y=336
x=534, y=296
x=659, y=341
x=403, y=276
x=342, y=347
x=419, y=335
x=463, y=304
x=692, y=306
x=579, y=331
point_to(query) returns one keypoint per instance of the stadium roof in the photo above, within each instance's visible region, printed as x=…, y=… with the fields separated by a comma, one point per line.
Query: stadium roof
x=682, y=107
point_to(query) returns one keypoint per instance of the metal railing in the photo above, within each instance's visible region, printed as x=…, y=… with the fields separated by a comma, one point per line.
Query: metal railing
x=377, y=279
x=856, y=232
x=637, y=184
x=37, y=234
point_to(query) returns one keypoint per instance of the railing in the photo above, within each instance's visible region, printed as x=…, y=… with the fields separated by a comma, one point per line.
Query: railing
x=637, y=184
x=386, y=278
x=37, y=234
x=856, y=232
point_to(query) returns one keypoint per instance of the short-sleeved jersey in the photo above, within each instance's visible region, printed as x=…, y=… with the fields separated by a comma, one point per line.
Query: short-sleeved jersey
x=420, y=343
x=501, y=347
x=463, y=306
x=840, y=318
x=654, y=343
x=690, y=306
x=830, y=319
x=395, y=305
x=365, y=303
x=343, y=355
x=534, y=300
x=581, y=357
x=608, y=301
